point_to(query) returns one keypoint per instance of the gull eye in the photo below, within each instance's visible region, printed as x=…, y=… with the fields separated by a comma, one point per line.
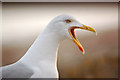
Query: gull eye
x=67, y=21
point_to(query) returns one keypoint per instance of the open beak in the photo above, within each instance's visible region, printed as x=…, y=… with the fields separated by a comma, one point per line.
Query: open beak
x=75, y=40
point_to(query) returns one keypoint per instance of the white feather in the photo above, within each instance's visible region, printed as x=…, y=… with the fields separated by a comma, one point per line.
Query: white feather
x=41, y=58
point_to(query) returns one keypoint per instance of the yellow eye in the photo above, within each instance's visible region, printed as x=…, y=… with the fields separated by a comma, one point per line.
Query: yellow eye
x=67, y=21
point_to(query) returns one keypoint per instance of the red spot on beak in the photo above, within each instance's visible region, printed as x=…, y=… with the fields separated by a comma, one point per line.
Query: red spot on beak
x=81, y=49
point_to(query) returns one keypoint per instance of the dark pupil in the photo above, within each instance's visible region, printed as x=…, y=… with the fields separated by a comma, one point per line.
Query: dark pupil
x=68, y=20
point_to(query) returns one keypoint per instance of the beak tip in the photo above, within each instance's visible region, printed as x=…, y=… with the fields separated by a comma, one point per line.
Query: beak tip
x=83, y=52
x=96, y=33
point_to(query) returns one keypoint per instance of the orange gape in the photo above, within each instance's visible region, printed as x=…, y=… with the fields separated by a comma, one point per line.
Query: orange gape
x=72, y=34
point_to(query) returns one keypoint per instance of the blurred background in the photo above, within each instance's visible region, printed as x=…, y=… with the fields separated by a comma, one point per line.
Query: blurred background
x=23, y=22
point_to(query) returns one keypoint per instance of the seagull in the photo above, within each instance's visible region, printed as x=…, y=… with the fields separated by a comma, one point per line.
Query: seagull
x=40, y=61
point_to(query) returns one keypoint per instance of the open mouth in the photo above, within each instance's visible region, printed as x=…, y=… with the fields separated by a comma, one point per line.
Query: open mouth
x=75, y=40
x=73, y=31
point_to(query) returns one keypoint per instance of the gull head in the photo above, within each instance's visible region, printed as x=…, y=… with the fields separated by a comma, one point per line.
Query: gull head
x=65, y=25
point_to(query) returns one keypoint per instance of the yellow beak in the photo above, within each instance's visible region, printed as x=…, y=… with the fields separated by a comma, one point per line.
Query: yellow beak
x=75, y=40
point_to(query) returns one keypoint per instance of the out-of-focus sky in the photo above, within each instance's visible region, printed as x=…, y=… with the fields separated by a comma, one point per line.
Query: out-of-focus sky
x=28, y=19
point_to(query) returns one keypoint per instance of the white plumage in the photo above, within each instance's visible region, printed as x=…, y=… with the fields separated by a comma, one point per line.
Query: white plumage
x=41, y=58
